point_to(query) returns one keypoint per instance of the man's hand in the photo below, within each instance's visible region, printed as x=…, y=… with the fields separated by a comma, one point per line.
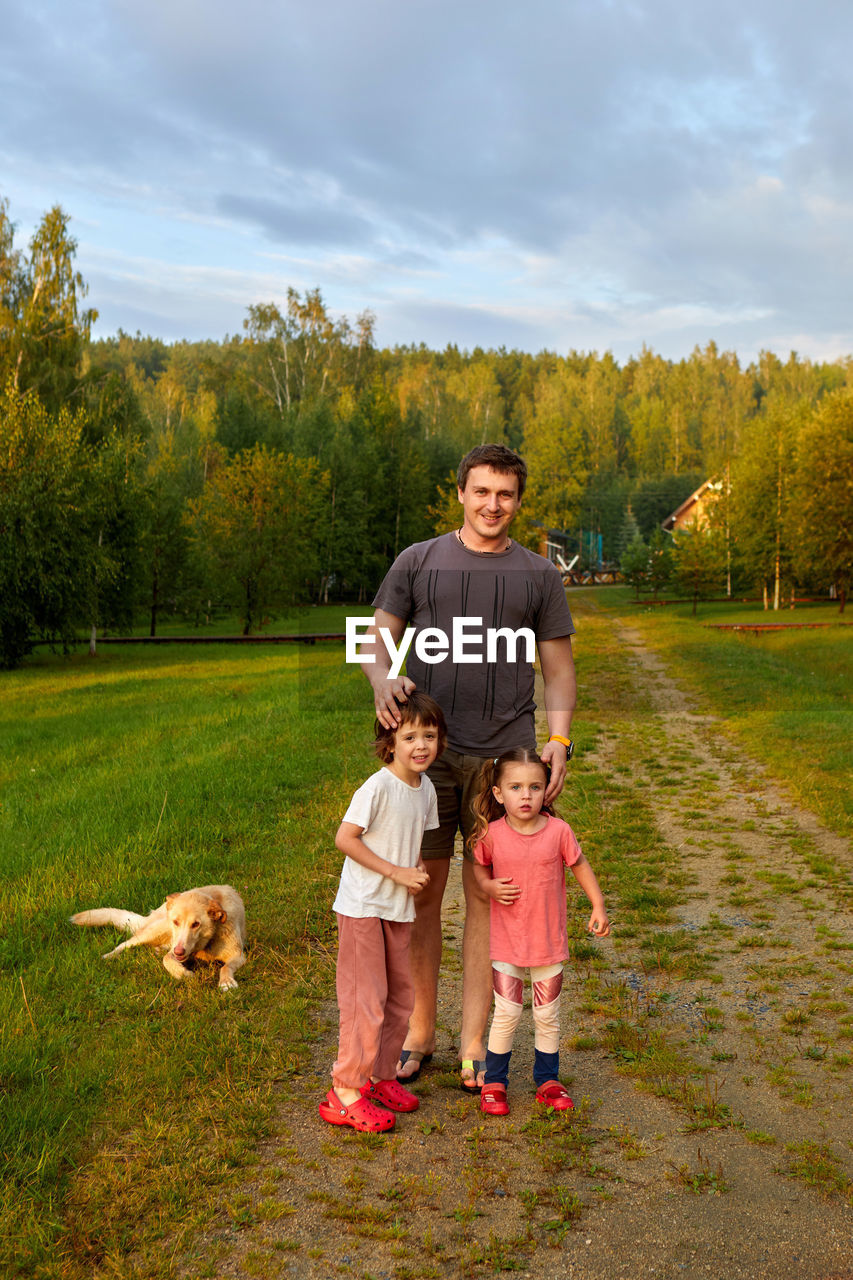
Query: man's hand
x=504, y=890
x=385, y=698
x=554, y=754
x=377, y=668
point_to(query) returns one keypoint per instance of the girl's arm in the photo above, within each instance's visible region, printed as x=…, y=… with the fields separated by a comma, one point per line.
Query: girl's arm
x=349, y=841
x=503, y=891
x=599, y=924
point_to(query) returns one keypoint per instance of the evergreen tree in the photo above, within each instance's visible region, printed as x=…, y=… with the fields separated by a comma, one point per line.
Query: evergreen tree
x=629, y=532
x=660, y=562
x=699, y=561
x=634, y=564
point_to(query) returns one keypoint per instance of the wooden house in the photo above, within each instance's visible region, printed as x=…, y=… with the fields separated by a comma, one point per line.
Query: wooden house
x=694, y=510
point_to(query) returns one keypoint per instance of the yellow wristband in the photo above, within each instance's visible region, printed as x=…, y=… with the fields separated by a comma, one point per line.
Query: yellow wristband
x=557, y=737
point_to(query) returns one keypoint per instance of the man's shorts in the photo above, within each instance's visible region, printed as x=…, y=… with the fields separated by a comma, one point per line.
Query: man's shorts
x=456, y=780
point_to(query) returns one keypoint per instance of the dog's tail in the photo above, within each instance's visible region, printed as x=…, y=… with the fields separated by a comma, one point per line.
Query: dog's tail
x=129, y=921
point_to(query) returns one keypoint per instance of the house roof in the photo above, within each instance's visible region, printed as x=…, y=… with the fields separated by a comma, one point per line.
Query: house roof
x=672, y=520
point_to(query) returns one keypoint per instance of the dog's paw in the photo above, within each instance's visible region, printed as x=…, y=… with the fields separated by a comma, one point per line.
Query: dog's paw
x=227, y=984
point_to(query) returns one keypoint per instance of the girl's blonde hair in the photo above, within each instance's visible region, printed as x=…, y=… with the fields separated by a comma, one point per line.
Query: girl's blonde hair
x=486, y=806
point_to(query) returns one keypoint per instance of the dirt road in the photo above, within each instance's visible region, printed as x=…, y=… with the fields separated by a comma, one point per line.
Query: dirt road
x=709, y=1058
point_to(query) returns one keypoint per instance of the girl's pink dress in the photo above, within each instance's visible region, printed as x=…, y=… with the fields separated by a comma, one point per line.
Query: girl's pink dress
x=532, y=930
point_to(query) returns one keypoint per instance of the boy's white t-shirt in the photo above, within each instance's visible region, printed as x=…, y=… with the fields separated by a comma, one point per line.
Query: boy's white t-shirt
x=394, y=817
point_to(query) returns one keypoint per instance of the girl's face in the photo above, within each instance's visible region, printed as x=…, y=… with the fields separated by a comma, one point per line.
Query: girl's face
x=415, y=748
x=521, y=791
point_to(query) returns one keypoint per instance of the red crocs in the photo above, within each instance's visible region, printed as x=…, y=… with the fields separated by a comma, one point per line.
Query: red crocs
x=361, y=1115
x=493, y=1100
x=391, y=1094
x=552, y=1094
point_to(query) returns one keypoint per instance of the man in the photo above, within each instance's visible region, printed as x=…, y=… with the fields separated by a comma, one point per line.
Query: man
x=476, y=572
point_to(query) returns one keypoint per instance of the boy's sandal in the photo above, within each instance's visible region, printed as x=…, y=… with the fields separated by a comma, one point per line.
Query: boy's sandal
x=413, y=1055
x=361, y=1115
x=552, y=1094
x=391, y=1094
x=474, y=1067
x=493, y=1100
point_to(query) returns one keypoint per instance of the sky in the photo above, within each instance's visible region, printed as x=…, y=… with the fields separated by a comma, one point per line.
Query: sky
x=567, y=174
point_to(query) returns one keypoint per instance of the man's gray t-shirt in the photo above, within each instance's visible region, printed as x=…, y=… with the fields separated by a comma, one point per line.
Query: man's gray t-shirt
x=488, y=706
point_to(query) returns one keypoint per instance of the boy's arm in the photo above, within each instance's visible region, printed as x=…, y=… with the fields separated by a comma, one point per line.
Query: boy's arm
x=349, y=841
x=599, y=923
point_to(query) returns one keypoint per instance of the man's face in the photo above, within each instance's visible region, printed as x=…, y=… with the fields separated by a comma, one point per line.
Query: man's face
x=490, y=500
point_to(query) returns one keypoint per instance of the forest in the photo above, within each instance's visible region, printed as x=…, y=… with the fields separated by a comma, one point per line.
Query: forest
x=289, y=463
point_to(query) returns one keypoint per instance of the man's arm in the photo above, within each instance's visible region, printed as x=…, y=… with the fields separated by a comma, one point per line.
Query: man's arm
x=385, y=690
x=558, y=676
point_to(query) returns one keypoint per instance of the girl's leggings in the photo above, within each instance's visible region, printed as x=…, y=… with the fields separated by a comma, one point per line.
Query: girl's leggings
x=508, y=983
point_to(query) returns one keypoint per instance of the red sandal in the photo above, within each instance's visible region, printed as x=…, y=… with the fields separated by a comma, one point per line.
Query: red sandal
x=360, y=1115
x=391, y=1094
x=552, y=1094
x=493, y=1100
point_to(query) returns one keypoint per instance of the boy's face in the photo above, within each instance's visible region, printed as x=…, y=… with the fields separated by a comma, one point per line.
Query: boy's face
x=415, y=746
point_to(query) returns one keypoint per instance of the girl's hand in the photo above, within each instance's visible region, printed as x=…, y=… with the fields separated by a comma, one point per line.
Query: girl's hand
x=505, y=891
x=599, y=924
x=414, y=878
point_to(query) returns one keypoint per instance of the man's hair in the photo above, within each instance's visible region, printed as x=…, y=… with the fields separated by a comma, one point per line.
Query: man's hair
x=499, y=458
x=419, y=708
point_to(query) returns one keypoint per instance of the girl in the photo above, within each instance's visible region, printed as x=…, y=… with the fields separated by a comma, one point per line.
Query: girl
x=381, y=837
x=521, y=851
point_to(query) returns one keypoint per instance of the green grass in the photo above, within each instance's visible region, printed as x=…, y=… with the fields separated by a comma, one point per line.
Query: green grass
x=817, y=1165
x=783, y=696
x=704, y=1179
x=121, y=779
x=150, y=769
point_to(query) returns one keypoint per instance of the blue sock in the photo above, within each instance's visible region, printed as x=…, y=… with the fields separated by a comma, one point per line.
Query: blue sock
x=546, y=1066
x=497, y=1067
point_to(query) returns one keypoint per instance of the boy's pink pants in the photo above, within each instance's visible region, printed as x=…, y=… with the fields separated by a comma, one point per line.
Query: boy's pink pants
x=375, y=998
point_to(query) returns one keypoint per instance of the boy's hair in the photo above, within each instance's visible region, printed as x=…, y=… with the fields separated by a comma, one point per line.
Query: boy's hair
x=486, y=807
x=419, y=708
x=499, y=458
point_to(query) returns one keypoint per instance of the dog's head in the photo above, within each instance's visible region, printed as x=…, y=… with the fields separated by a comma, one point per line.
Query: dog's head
x=193, y=920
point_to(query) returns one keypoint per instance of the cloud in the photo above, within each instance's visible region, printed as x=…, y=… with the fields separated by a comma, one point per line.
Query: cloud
x=289, y=224
x=614, y=163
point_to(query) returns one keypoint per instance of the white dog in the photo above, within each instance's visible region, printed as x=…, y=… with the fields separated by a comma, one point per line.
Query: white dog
x=202, y=924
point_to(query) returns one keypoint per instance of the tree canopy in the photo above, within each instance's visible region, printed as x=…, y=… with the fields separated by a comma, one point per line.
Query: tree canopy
x=293, y=461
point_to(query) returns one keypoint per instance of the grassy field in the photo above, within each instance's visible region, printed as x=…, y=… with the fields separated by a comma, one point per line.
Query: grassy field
x=146, y=770
x=122, y=779
x=302, y=619
x=782, y=695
